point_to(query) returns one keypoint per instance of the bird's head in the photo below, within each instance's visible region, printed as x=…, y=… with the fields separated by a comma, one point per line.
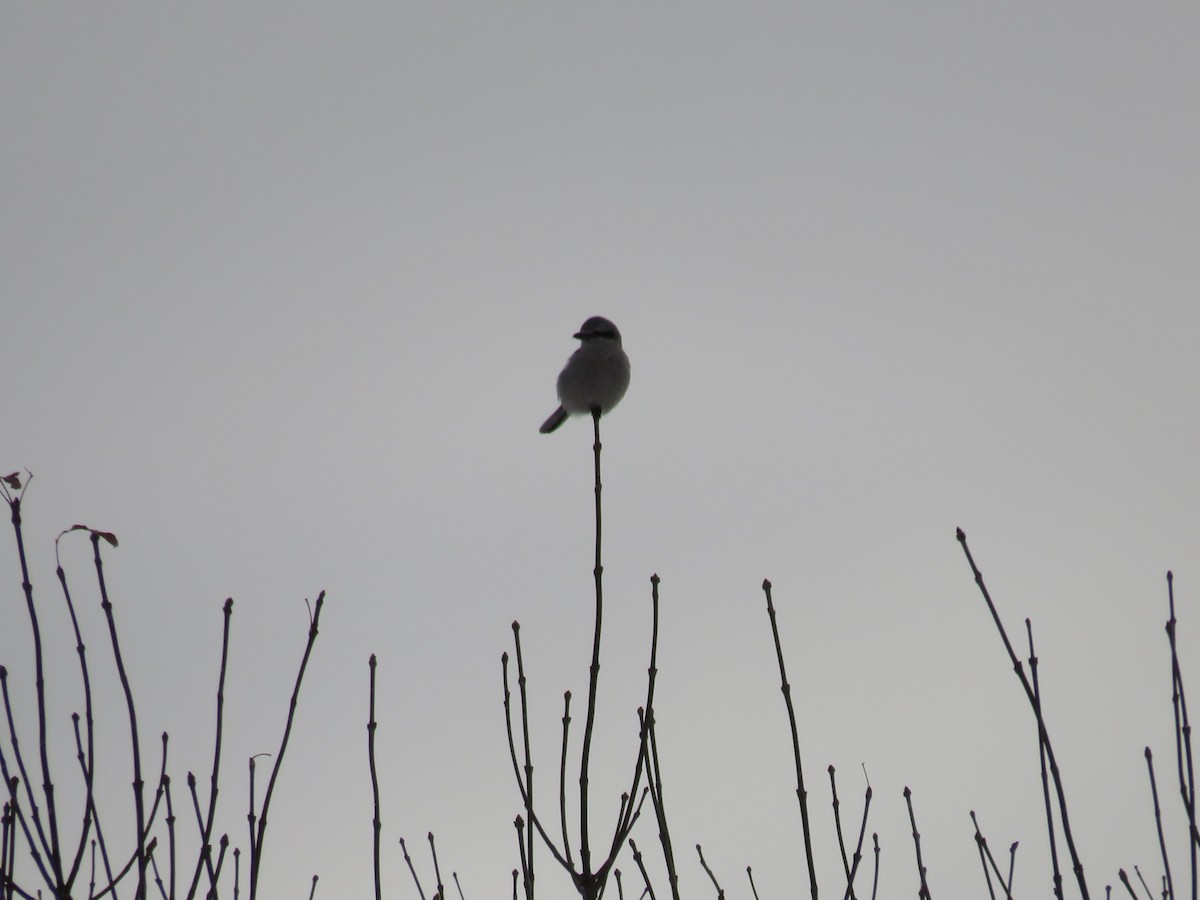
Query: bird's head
x=598, y=328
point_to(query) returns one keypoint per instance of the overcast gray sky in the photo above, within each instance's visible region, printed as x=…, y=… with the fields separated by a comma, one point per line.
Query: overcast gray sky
x=285, y=287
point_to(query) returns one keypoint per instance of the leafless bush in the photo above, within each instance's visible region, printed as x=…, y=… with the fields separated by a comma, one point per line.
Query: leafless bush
x=31, y=824
x=38, y=857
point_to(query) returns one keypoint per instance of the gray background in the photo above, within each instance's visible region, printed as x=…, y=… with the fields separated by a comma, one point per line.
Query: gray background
x=285, y=288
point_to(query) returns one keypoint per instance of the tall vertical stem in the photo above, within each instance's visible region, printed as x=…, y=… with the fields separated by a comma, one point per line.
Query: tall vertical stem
x=139, y=809
x=43, y=741
x=376, y=823
x=585, y=852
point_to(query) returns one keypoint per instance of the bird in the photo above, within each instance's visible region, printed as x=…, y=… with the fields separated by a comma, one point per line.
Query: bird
x=596, y=376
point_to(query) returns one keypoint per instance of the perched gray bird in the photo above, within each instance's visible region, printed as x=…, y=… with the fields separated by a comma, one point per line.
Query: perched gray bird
x=596, y=375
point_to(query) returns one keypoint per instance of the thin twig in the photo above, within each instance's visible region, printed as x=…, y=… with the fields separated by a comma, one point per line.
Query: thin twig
x=256, y=861
x=875, y=877
x=801, y=793
x=837, y=825
x=1183, y=735
x=53, y=850
x=204, y=860
x=1162, y=844
x=654, y=783
x=252, y=818
x=521, y=690
x=753, y=889
x=129, y=863
x=1145, y=886
x=924, y=891
x=14, y=782
x=222, y=845
x=862, y=831
x=139, y=811
x=645, y=717
x=562, y=776
x=99, y=839
x=412, y=869
x=7, y=833
x=158, y=882
x=987, y=875
x=637, y=858
x=170, y=820
x=1034, y=701
x=985, y=853
x=8, y=850
x=512, y=753
x=711, y=876
x=1037, y=702
x=206, y=825
x=647, y=760
x=522, y=852
x=437, y=872
x=376, y=823
x=87, y=764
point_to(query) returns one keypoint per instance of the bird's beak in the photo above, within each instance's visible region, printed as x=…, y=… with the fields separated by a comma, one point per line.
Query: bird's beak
x=578, y=335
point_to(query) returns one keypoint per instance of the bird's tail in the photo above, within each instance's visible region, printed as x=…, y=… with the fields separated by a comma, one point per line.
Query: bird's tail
x=556, y=418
